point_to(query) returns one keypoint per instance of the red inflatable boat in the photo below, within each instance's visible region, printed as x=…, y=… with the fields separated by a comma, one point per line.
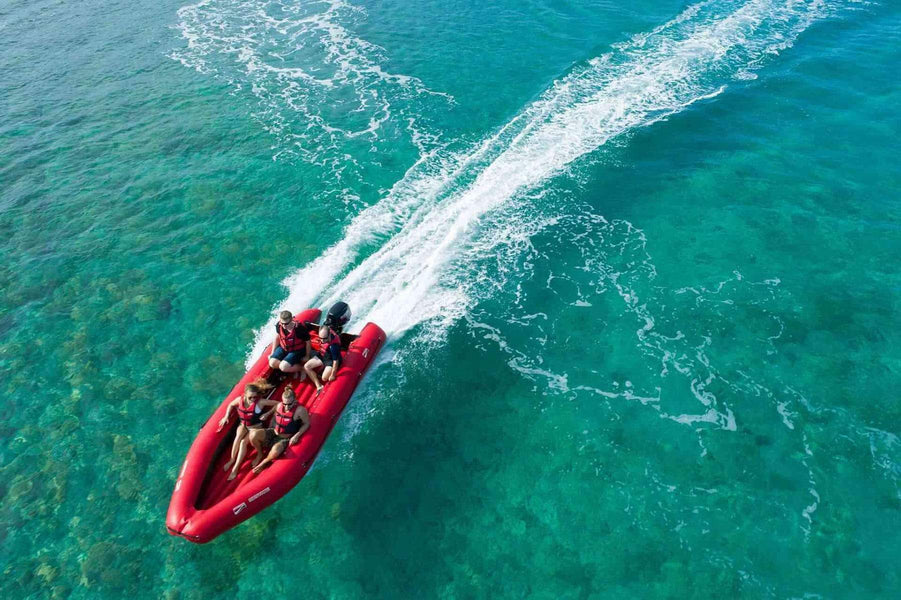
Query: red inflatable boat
x=204, y=503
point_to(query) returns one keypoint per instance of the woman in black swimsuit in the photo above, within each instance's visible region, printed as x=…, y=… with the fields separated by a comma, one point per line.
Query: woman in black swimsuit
x=249, y=407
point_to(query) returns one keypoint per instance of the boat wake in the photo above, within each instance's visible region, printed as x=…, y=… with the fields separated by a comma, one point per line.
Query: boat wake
x=407, y=260
x=320, y=90
x=456, y=233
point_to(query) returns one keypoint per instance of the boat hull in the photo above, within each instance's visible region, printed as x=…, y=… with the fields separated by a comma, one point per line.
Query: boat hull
x=205, y=504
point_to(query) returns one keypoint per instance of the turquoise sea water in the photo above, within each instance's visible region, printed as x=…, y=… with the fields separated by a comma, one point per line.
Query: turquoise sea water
x=637, y=262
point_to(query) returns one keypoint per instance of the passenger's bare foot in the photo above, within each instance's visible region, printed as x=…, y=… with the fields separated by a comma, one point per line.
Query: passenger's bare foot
x=257, y=460
x=258, y=468
x=233, y=475
x=227, y=466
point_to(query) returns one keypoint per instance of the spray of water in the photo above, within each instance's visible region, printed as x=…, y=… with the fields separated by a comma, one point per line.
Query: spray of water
x=424, y=227
x=308, y=72
x=413, y=259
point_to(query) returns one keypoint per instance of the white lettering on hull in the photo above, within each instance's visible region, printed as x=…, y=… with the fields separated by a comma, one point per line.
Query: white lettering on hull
x=262, y=492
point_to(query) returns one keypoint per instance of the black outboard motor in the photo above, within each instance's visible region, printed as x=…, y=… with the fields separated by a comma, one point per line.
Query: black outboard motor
x=338, y=316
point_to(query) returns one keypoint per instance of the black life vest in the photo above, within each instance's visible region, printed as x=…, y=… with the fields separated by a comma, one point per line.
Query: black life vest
x=291, y=341
x=284, y=420
x=249, y=416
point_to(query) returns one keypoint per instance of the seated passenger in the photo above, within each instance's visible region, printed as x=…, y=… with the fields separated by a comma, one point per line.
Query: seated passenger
x=329, y=355
x=250, y=412
x=291, y=347
x=291, y=421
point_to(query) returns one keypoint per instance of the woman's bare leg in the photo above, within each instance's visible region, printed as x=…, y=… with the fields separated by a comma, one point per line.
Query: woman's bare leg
x=242, y=452
x=239, y=435
x=256, y=440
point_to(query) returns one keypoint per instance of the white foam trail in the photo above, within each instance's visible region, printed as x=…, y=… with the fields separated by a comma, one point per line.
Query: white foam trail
x=410, y=278
x=318, y=86
x=615, y=260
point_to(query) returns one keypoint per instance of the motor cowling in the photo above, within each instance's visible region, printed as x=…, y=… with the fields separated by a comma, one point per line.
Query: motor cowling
x=338, y=316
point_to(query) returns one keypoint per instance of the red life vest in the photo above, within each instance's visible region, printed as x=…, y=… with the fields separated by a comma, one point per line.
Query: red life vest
x=248, y=415
x=290, y=340
x=284, y=420
x=332, y=340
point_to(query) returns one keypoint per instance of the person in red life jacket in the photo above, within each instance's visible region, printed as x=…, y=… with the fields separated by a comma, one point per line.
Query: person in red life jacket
x=291, y=347
x=250, y=407
x=291, y=421
x=329, y=356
